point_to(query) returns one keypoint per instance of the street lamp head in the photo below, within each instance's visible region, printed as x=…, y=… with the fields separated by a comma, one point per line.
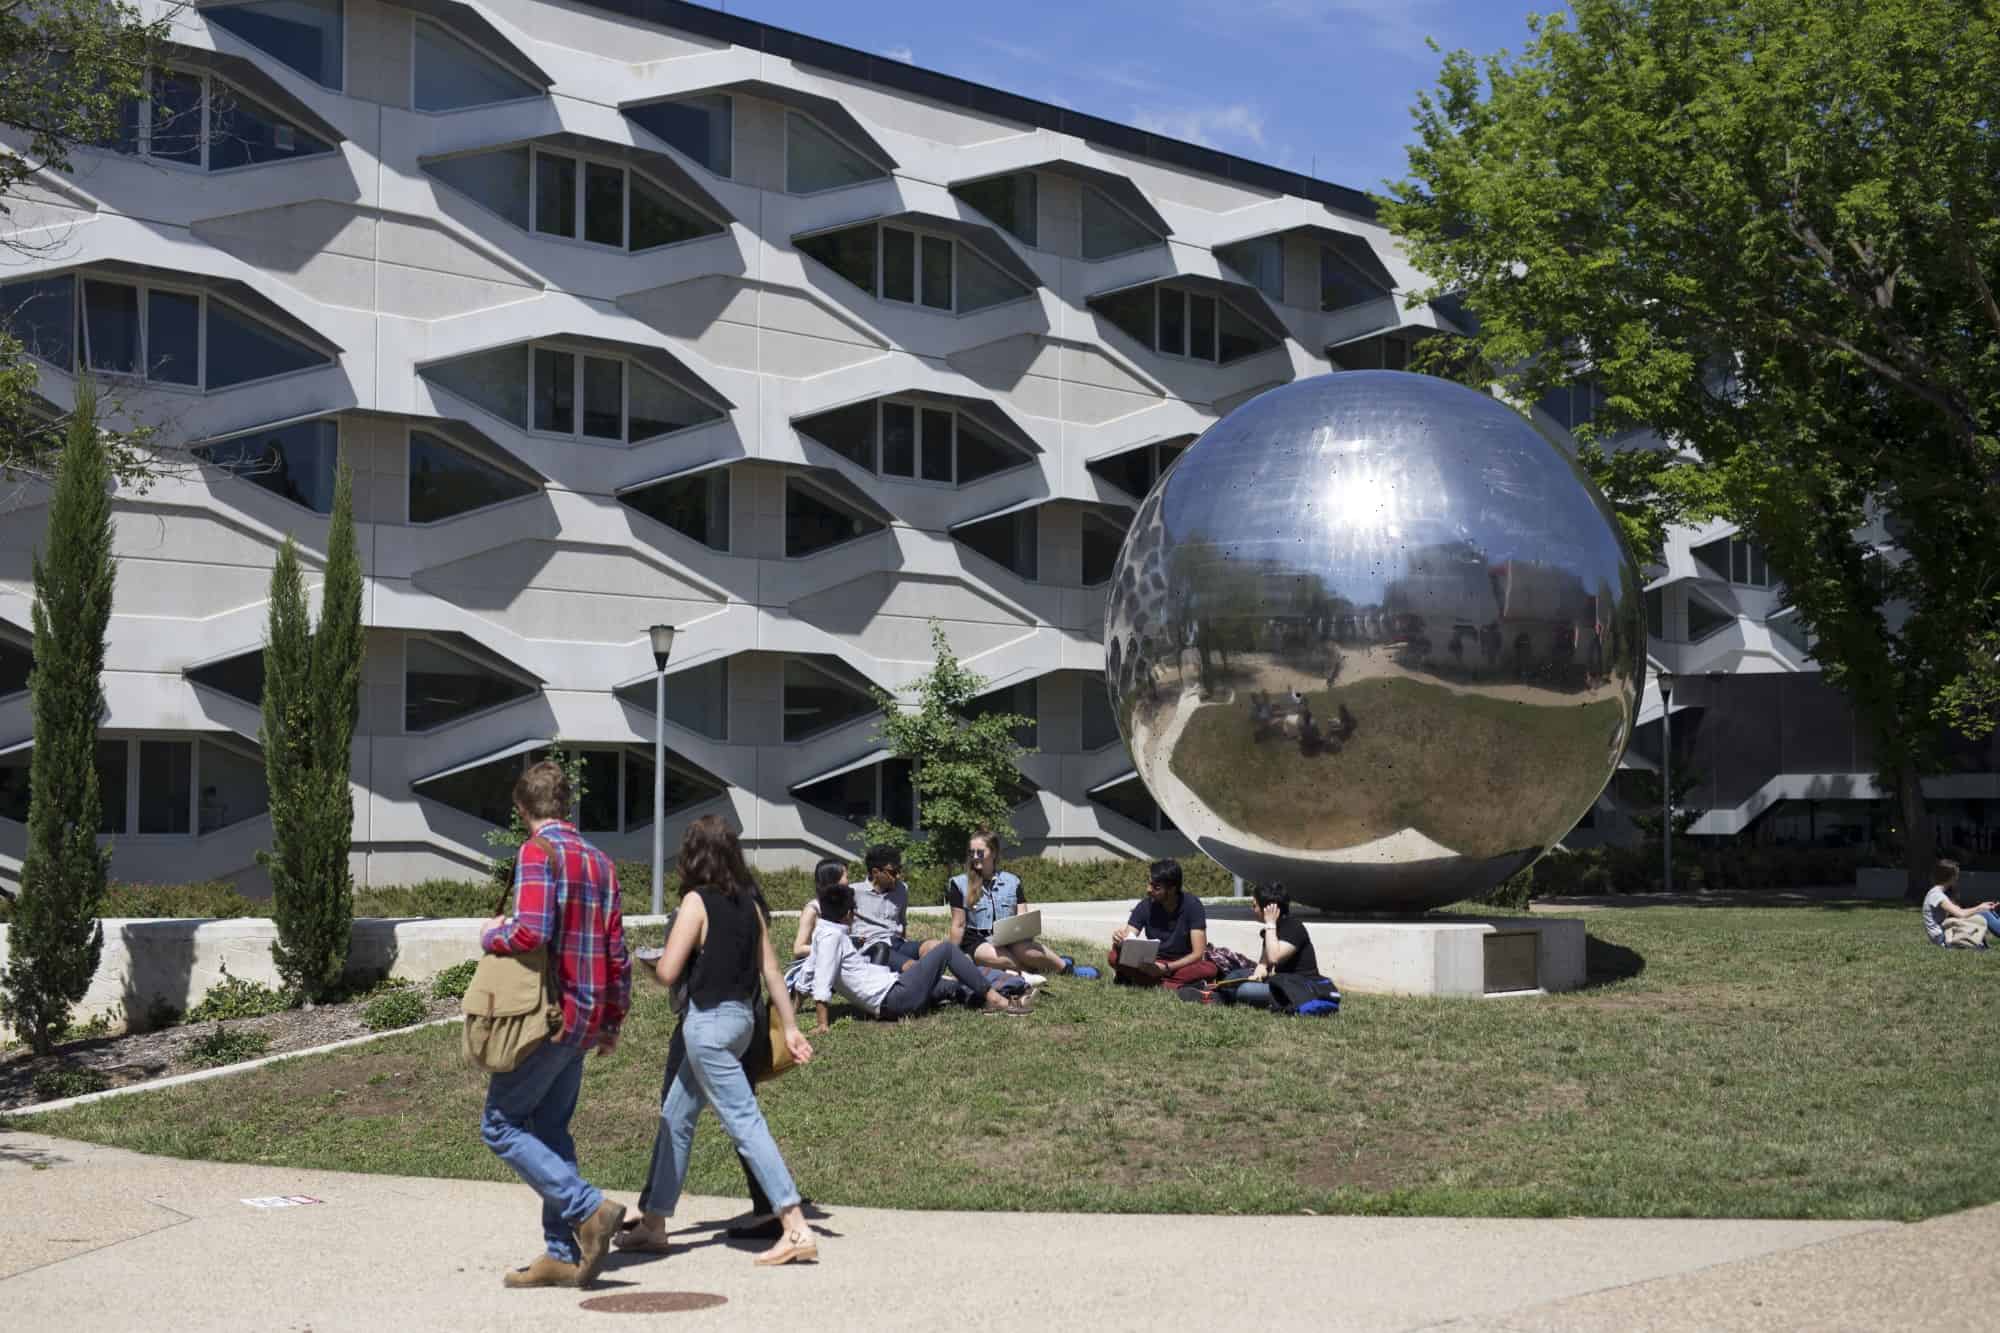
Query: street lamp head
x=663, y=644
x=1666, y=683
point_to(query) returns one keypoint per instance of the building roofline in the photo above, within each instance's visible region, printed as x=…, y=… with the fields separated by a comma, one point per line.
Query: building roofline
x=951, y=90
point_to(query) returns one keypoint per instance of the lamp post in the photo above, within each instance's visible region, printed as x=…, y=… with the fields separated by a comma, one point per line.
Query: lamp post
x=663, y=645
x=1666, y=680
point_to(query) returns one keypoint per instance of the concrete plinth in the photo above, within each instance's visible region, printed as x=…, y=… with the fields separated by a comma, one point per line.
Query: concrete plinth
x=1471, y=956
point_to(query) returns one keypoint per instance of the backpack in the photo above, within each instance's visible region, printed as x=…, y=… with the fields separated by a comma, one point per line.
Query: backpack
x=510, y=1008
x=1965, y=932
x=1297, y=990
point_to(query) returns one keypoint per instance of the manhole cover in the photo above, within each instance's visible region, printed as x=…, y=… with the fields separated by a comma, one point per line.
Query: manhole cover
x=654, y=1302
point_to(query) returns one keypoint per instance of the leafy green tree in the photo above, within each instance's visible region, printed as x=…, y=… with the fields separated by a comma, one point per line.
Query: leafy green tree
x=56, y=938
x=1769, y=230
x=965, y=770
x=312, y=684
x=66, y=67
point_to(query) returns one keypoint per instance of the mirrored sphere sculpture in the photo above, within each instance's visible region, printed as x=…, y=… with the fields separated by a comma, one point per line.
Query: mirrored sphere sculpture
x=1376, y=637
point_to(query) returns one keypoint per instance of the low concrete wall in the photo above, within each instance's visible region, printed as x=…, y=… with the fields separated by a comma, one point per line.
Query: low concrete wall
x=152, y=961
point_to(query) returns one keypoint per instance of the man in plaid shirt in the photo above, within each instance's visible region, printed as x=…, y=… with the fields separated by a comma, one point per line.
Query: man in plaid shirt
x=565, y=897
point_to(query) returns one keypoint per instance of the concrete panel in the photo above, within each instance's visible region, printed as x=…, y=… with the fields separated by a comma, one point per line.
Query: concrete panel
x=1005, y=362
x=498, y=580
x=759, y=154
x=592, y=30
x=191, y=536
x=887, y=615
x=1089, y=405
x=918, y=116
x=1088, y=365
x=35, y=203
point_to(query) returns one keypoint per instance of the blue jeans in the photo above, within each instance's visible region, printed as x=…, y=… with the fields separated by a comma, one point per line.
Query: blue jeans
x=712, y=1075
x=526, y=1124
x=1255, y=994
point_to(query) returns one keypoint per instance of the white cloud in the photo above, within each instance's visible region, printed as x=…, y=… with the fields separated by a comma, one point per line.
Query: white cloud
x=1235, y=125
x=902, y=53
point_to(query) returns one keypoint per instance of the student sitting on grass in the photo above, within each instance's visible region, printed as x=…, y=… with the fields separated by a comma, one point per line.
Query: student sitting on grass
x=829, y=872
x=1286, y=974
x=1940, y=908
x=1174, y=918
x=837, y=965
x=882, y=912
x=984, y=896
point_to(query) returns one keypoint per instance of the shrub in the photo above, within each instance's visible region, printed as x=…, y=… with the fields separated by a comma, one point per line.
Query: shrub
x=69, y=1081
x=97, y=1025
x=226, y=1046
x=395, y=1009
x=451, y=983
x=239, y=997
x=431, y=898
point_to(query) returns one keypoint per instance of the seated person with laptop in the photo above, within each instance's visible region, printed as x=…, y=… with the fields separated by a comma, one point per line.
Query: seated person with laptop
x=1165, y=940
x=836, y=964
x=986, y=896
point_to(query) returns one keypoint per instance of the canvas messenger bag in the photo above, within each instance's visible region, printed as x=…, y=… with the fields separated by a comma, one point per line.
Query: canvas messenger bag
x=510, y=1007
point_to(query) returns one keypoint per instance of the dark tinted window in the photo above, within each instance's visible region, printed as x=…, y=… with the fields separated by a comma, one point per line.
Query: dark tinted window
x=297, y=461
x=446, y=481
x=814, y=523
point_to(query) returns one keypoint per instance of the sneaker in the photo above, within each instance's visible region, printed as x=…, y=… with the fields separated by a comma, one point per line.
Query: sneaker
x=593, y=1239
x=1034, y=979
x=545, y=1271
x=1086, y=972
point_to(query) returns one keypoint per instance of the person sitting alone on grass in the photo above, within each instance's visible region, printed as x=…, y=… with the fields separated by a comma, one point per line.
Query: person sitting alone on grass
x=984, y=896
x=836, y=965
x=1286, y=973
x=1940, y=907
x=1179, y=923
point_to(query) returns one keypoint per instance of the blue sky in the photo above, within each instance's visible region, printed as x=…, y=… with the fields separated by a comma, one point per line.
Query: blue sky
x=1316, y=86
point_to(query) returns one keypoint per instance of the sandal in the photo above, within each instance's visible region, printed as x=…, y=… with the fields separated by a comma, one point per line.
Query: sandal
x=799, y=1247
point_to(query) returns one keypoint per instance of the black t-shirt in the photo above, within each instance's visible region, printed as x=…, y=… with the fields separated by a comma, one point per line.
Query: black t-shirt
x=1292, y=931
x=1171, y=929
x=729, y=962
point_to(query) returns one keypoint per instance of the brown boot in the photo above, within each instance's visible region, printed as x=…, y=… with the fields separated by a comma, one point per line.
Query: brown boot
x=545, y=1271
x=593, y=1239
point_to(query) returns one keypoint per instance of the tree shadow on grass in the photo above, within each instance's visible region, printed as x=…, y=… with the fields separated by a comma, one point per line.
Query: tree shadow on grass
x=1605, y=963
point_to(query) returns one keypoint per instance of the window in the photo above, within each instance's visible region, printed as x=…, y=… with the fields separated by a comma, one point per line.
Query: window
x=298, y=462
x=17, y=659
x=816, y=161
x=1109, y=230
x=599, y=202
x=168, y=337
x=1573, y=405
x=1177, y=322
x=1130, y=799
x=1009, y=200
x=304, y=34
x=1704, y=620
x=41, y=313
x=701, y=127
x=450, y=75
x=1100, y=723
x=1010, y=541
x=568, y=399
x=1103, y=538
x=1790, y=626
x=15, y=768
x=697, y=698
x=1261, y=262
x=818, y=699
x=880, y=790
x=696, y=506
x=913, y=268
x=1384, y=351
x=815, y=522
x=497, y=180
x=1341, y=284
x=441, y=686
x=617, y=788
x=1136, y=470
x=159, y=787
x=1746, y=564
x=1022, y=699
x=445, y=481
x=1656, y=613
x=199, y=121
x=240, y=677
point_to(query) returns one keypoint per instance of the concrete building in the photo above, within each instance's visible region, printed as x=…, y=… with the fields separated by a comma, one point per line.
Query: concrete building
x=626, y=312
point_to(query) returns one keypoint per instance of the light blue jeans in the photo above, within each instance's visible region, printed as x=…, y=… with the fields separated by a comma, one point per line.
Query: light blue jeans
x=526, y=1124
x=712, y=1075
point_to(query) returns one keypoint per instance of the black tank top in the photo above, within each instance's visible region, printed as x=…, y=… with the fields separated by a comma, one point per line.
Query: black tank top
x=728, y=965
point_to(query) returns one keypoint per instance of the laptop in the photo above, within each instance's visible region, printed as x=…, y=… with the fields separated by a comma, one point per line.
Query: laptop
x=1137, y=950
x=1014, y=929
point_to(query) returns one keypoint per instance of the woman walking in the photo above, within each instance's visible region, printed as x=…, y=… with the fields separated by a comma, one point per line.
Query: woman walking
x=722, y=942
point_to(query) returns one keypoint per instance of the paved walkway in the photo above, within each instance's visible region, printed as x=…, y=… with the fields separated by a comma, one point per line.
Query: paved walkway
x=115, y=1241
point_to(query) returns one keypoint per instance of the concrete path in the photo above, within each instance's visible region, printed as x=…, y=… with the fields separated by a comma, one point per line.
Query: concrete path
x=118, y=1241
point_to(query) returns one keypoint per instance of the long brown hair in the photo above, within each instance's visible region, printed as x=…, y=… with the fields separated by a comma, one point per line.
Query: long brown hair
x=712, y=858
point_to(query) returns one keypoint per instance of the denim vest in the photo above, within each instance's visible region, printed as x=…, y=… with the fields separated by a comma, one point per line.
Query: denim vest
x=1002, y=896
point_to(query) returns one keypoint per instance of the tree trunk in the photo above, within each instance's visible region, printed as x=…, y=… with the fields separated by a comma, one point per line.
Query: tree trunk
x=1919, y=842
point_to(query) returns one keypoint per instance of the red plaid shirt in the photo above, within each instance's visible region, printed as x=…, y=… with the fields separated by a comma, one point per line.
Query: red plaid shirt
x=570, y=903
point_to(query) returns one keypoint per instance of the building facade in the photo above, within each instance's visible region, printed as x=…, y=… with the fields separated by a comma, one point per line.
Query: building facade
x=624, y=313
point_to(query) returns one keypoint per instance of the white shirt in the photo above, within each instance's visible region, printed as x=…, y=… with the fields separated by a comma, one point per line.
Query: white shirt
x=1935, y=914
x=835, y=964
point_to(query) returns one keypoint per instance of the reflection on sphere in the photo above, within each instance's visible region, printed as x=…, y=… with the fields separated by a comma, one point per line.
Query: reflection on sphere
x=1376, y=637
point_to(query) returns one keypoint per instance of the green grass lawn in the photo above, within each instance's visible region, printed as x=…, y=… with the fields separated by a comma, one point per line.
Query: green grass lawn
x=1802, y=1062
x=1406, y=767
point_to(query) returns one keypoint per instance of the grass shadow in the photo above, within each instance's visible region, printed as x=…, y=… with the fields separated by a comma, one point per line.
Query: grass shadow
x=1605, y=963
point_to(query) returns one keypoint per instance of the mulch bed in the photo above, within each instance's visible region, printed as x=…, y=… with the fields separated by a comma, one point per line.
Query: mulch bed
x=145, y=1056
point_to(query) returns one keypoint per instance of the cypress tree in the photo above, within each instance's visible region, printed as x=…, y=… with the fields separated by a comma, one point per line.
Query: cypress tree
x=56, y=938
x=308, y=742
